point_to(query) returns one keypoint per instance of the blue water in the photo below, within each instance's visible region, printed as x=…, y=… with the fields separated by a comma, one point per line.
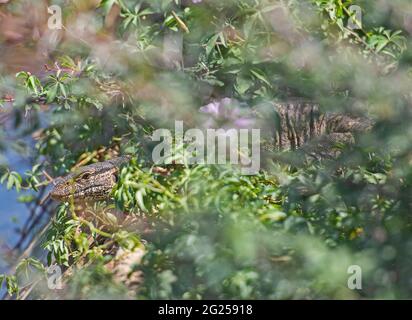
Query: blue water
x=13, y=214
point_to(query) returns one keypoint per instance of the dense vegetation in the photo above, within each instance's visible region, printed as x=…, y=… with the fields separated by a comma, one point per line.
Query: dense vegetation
x=120, y=69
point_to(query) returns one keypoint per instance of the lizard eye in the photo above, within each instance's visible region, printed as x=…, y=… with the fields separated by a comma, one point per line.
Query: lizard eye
x=84, y=176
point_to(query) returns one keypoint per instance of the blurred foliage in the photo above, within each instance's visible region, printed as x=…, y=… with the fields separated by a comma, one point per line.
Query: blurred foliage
x=121, y=68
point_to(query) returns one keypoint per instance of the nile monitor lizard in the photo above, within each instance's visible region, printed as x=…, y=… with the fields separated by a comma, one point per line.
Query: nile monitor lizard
x=296, y=125
x=91, y=182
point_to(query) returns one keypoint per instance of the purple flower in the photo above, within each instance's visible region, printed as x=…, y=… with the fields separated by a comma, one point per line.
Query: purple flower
x=196, y=1
x=219, y=108
x=211, y=108
x=226, y=113
x=244, y=122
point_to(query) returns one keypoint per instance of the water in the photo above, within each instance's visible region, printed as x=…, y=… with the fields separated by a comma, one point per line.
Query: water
x=13, y=214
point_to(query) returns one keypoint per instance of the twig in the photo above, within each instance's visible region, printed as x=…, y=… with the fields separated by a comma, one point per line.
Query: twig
x=180, y=22
x=49, y=177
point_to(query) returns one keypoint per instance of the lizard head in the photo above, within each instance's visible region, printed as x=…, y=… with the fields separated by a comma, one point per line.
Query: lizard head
x=92, y=182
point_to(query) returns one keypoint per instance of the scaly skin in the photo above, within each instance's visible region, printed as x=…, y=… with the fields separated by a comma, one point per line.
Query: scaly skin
x=92, y=182
x=301, y=122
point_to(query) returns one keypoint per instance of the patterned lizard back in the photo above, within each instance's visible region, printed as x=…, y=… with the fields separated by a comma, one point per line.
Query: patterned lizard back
x=299, y=122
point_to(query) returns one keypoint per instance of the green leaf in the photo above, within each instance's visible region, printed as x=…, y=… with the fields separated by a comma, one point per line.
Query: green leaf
x=211, y=44
x=52, y=93
x=107, y=5
x=63, y=89
x=4, y=177
x=139, y=199
x=260, y=75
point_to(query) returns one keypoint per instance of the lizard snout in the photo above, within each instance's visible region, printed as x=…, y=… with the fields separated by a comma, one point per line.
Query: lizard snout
x=59, y=191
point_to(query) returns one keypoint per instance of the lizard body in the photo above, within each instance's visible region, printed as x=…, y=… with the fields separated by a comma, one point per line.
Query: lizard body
x=298, y=123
